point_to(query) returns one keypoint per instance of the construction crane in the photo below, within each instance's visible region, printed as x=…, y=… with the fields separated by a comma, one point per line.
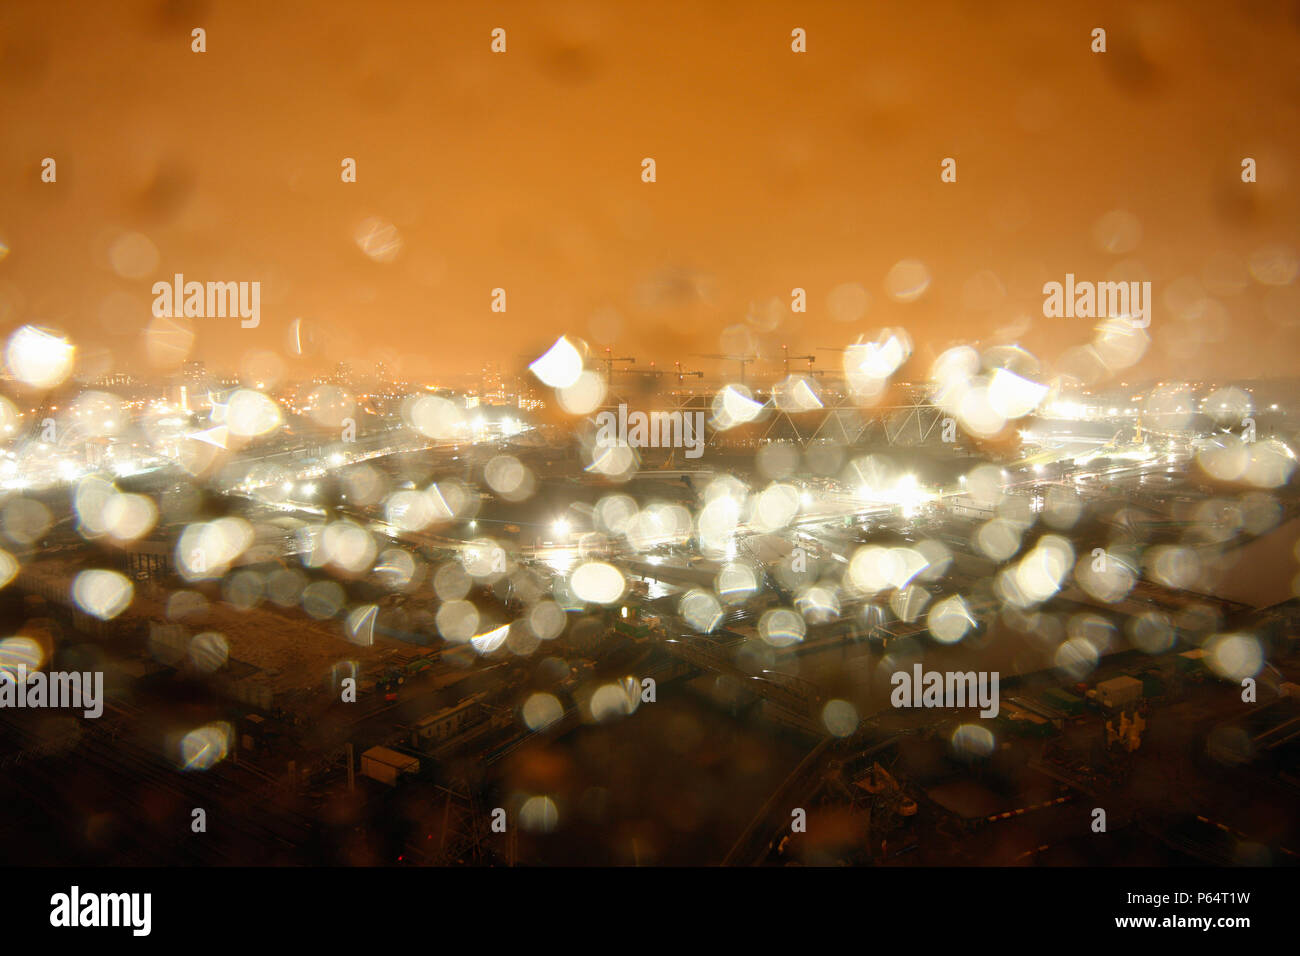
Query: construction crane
x=786, y=356
x=610, y=360
x=681, y=374
x=653, y=372
x=742, y=359
x=833, y=348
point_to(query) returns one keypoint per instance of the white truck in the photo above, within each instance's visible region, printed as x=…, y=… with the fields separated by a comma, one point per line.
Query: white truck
x=1119, y=692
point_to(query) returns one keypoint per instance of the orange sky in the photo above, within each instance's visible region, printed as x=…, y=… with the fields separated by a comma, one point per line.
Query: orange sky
x=775, y=170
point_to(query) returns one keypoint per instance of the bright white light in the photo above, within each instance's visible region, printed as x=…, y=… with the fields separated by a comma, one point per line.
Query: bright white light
x=250, y=413
x=597, y=583
x=38, y=357
x=103, y=594
x=491, y=640
x=950, y=619
x=733, y=406
x=1012, y=396
x=560, y=366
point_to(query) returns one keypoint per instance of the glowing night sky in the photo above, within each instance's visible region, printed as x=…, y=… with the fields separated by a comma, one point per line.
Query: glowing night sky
x=774, y=170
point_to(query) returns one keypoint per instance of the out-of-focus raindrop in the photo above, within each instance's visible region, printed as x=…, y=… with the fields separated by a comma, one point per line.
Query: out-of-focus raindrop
x=736, y=582
x=1108, y=579
x=539, y=815
x=244, y=589
x=133, y=255
x=1270, y=464
x=1012, y=396
x=329, y=405
x=869, y=365
x=1228, y=405
x=998, y=539
x=782, y=627
x=1174, y=566
x=96, y=415
x=1151, y=632
x=776, y=507
x=1077, y=658
x=560, y=366
x=1117, y=232
x=1119, y=343
x=1234, y=657
x=701, y=610
x=1061, y=508
x=39, y=357
x=840, y=718
x=509, y=477
x=409, y=510
x=16, y=652
x=347, y=546
x=972, y=742
x=597, y=582
x=457, y=621
x=204, y=748
x=25, y=520
x=435, y=417
x=206, y=550
x=618, y=462
x=285, y=587
x=379, y=240
x=547, y=620
x=396, y=568
x=484, y=559
x=584, y=396
x=1231, y=746
x=796, y=394
x=208, y=652
x=659, y=524
x=949, y=620
x=249, y=413
x=542, y=710
x=611, y=701
x=613, y=513
x=129, y=516
x=360, y=625
x=1224, y=457
x=1274, y=265
x=102, y=594
x=848, y=302
x=323, y=600
x=907, y=280
x=820, y=603
x=9, y=567
x=734, y=405
x=490, y=641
